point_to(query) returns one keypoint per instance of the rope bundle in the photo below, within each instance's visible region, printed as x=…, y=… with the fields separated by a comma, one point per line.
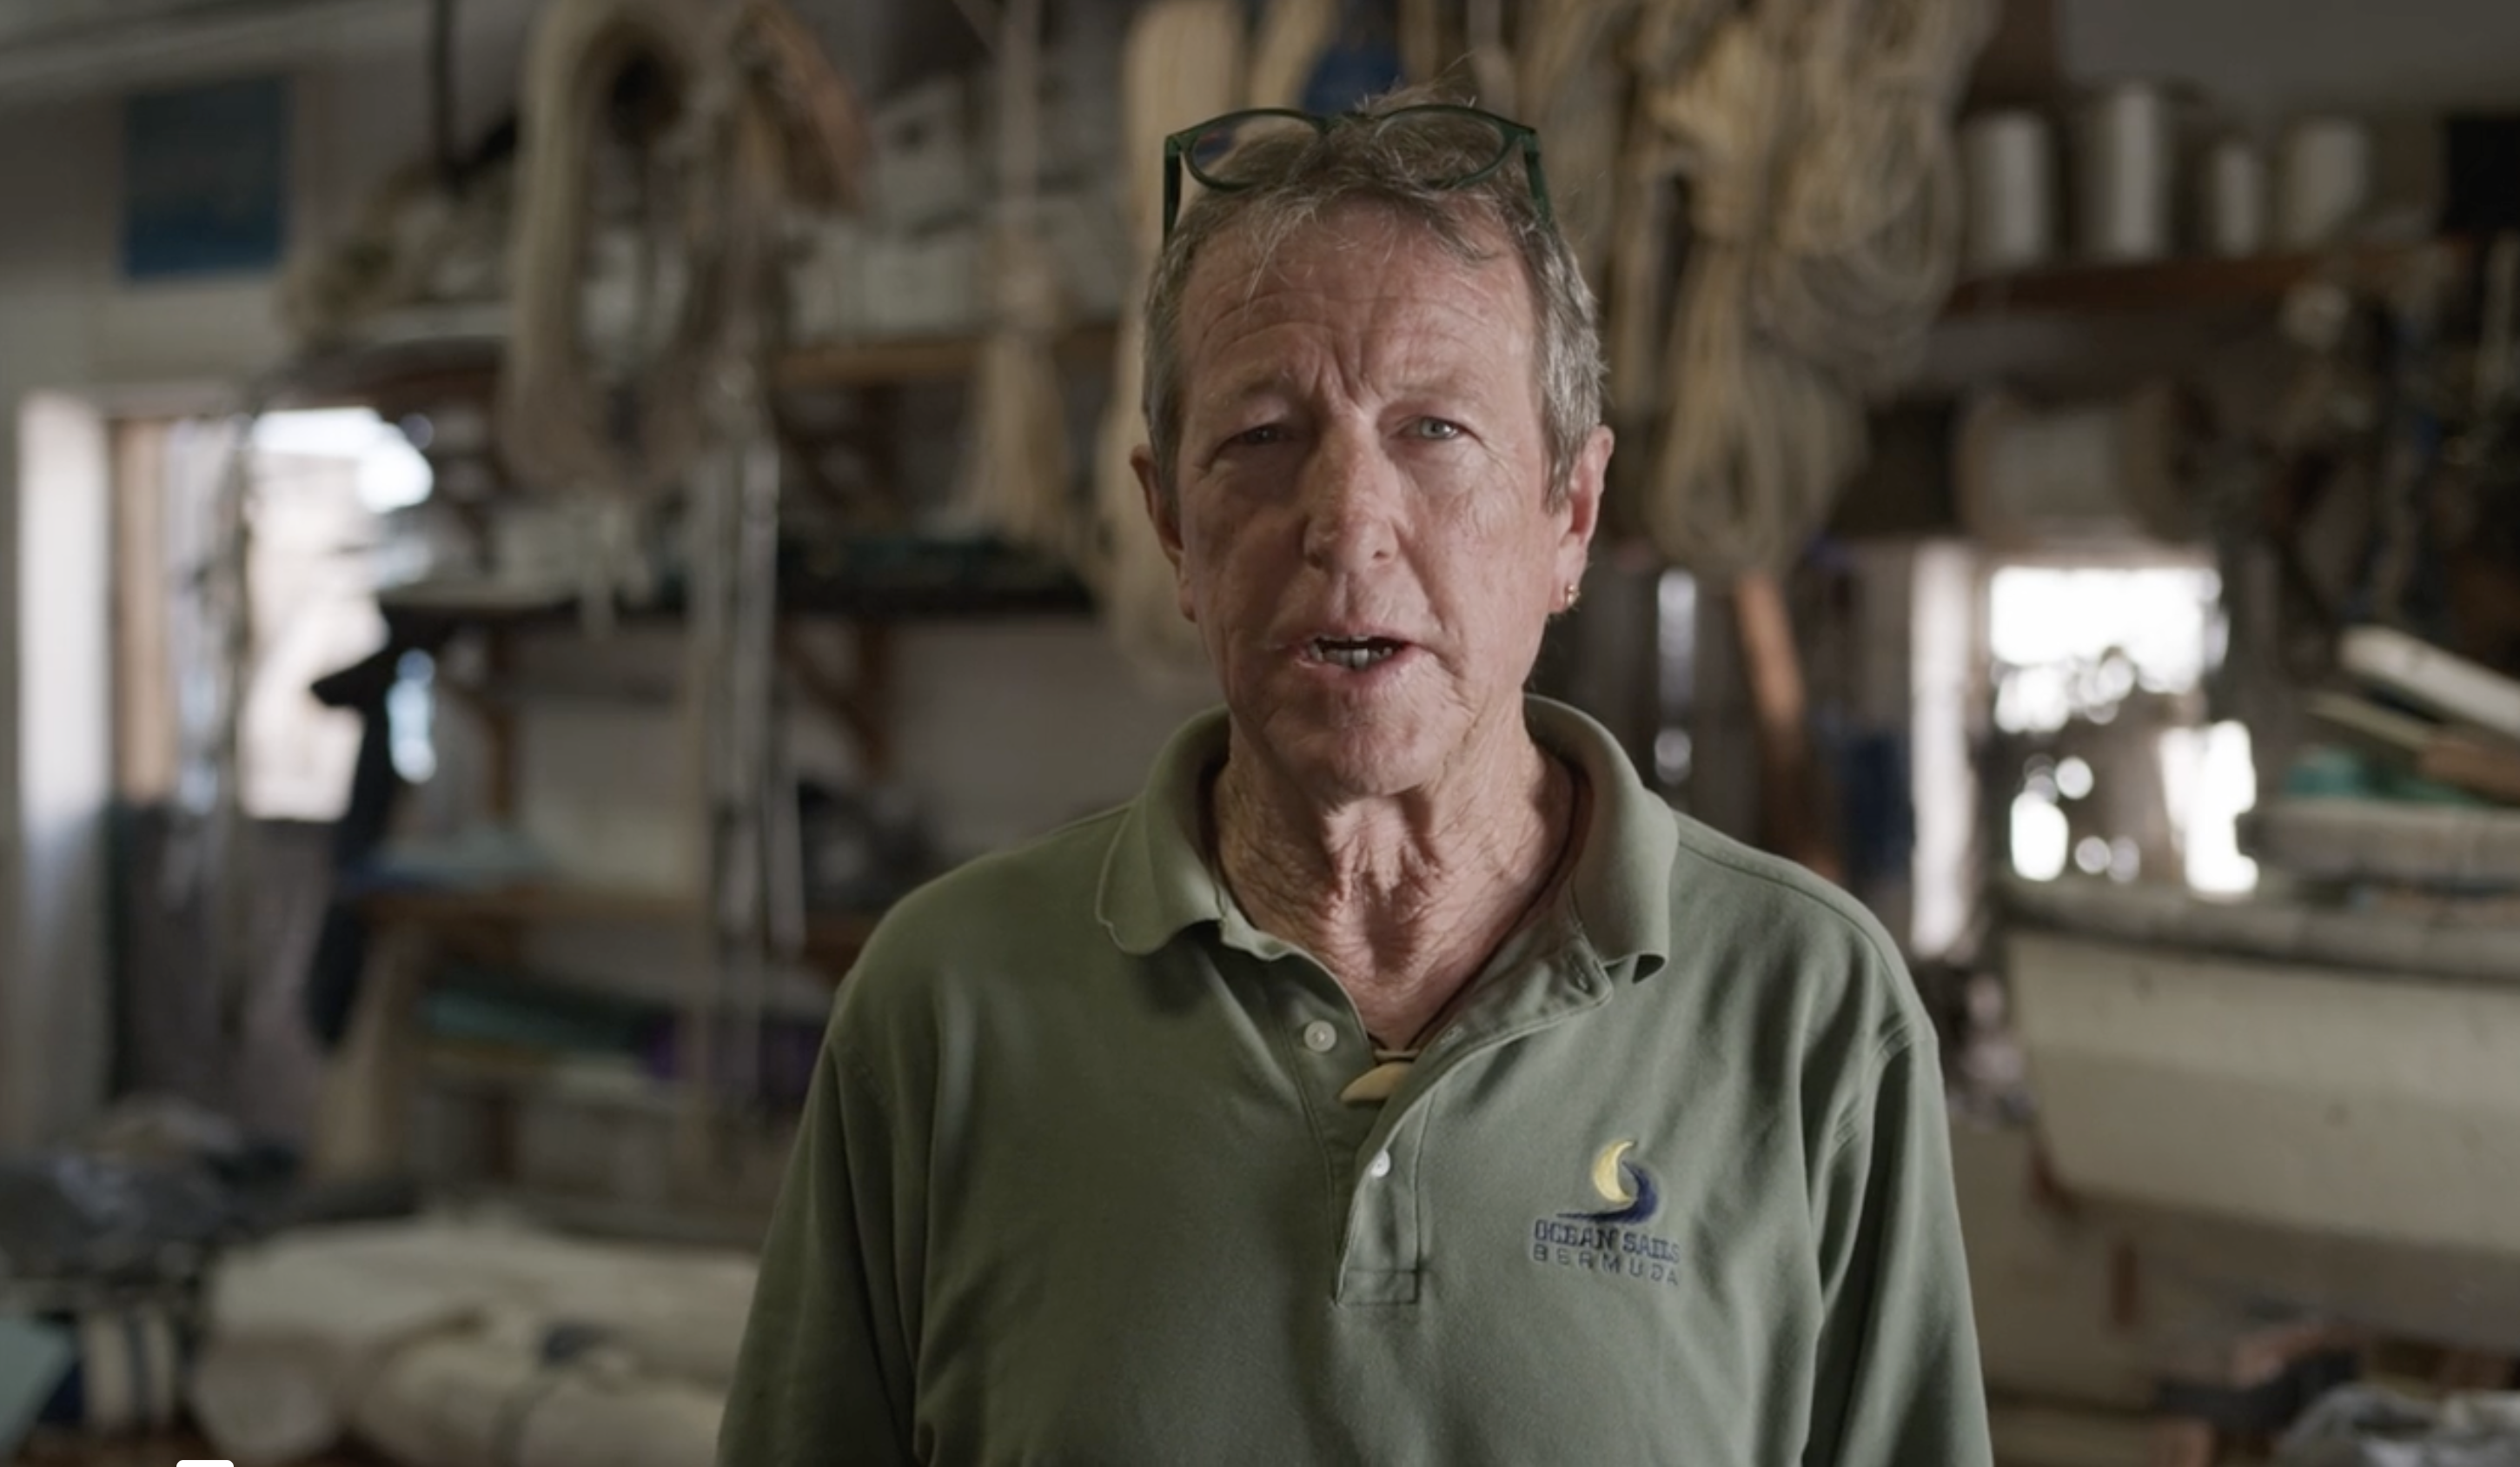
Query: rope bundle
x=556, y=418
x=1812, y=139
x=1018, y=473
x=757, y=110
x=1184, y=60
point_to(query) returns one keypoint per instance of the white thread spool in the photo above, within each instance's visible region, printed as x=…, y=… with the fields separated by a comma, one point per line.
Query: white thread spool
x=2326, y=180
x=130, y=1367
x=2010, y=161
x=2235, y=198
x=2124, y=177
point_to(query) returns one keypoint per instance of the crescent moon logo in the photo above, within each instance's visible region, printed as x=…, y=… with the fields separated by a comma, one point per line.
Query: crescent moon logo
x=1605, y=1174
x=1624, y=1184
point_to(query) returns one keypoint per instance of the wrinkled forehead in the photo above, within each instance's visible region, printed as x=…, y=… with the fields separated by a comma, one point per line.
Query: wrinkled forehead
x=1359, y=257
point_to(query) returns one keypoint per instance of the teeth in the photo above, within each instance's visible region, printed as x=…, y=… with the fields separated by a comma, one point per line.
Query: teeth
x=1354, y=655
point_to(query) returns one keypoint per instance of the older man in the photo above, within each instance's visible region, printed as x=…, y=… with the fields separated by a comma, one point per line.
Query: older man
x=1396, y=1080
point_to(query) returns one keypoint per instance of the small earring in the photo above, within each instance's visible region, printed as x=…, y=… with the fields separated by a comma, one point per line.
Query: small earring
x=1574, y=595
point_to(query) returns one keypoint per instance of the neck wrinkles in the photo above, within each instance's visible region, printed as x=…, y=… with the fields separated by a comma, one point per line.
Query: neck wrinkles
x=1397, y=896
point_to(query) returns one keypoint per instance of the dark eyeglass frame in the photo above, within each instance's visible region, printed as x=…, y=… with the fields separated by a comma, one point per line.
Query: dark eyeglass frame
x=1181, y=149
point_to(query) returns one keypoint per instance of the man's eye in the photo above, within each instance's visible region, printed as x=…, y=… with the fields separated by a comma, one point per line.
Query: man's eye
x=1265, y=433
x=1437, y=429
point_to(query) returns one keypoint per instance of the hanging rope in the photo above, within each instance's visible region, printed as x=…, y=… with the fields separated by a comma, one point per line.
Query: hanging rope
x=1182, y=61
x=1573, y=80
x=559, y=426
x=749, y=110
x=1812, y=140
x=1017, y=474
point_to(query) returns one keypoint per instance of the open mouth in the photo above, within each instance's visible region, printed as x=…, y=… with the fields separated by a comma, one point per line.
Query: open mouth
x=1353, y=653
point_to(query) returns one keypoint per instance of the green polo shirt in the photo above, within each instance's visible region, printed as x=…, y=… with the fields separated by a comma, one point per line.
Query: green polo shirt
x=1076, y=1185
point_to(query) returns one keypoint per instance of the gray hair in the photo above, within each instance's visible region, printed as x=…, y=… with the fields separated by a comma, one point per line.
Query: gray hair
x=1308, y=176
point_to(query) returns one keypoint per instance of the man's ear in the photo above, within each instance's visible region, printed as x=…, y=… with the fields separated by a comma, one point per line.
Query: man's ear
x=1164, y=514
x=1584, y=485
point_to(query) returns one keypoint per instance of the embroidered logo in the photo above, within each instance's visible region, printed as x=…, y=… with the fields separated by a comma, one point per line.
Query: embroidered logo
x=1625, y=1183
x=1612, y=1241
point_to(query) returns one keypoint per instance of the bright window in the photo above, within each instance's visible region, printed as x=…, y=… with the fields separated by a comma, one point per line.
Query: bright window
x=2098, y=678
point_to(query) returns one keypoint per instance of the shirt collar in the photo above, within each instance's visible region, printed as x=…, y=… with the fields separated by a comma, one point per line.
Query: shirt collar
x=1156, y=880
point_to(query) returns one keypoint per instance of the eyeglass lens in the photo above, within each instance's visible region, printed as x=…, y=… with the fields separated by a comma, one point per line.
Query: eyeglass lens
x=1227, y=155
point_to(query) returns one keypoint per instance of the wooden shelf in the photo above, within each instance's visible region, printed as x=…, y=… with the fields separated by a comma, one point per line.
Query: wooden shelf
x=395, y=376
x=832, y=939
x=867, y=364
x=535, y=901
x=904, y=600
x=2178, y=285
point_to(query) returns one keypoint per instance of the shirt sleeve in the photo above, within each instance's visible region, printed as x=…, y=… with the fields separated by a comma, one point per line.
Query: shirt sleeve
x=824, y=1377
x=1898, y=1380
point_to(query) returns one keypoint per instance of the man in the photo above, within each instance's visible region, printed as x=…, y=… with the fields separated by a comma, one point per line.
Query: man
x=1396, y=1080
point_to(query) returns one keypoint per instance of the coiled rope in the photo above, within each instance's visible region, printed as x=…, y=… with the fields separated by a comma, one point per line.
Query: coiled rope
x=1812, y=140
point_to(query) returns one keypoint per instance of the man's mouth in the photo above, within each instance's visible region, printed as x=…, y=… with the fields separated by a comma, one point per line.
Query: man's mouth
x=1354, y=653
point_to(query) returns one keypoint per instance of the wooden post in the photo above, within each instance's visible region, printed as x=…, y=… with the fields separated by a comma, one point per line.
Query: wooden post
x=1789, y=783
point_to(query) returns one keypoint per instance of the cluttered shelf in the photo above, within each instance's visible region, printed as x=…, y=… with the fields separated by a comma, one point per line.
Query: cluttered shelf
x=881, y=579
x=412, y=368
x=2188, y=283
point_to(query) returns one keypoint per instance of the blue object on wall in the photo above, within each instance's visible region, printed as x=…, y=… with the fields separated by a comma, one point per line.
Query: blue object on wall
x=1349, y=75
x=1361, y=61
x=206, y=179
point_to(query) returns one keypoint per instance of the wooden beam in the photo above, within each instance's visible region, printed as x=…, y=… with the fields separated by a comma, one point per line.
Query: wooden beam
x=2202, y=283
x=857, y=706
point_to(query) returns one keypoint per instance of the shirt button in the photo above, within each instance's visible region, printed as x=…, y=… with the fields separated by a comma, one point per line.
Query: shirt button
x=1381, y=1166
x=1321, y=1036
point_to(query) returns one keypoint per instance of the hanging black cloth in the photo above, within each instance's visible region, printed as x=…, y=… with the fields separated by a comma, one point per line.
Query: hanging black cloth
x=342, y=947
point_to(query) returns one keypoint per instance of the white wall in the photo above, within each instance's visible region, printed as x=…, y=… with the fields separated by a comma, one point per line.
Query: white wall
x=55, y=1050
x=45, y=159
x=1013, y=729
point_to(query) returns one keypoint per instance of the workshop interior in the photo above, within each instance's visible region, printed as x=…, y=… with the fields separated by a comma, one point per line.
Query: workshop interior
x=526, y=526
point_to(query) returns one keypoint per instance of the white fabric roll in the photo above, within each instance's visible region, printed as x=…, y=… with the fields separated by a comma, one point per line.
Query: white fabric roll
x=2325, y=182
x=2235, y=198
x=267, y=1402
x=2009, y=159
x=130, y=1370
x=2124, y=174
x=487, y=1399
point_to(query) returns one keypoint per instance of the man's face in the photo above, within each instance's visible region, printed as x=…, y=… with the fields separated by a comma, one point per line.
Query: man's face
x=1362, y=530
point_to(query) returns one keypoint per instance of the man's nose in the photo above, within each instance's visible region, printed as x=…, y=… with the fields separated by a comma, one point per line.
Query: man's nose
x=1352, y=498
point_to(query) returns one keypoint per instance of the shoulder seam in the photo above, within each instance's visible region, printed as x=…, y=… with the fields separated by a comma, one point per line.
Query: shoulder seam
x=1886, y=1050
x=852, y=1068
x=1081, y=826
x=1829, y=900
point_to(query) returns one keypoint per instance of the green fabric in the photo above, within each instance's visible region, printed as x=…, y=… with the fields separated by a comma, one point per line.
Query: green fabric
x=1074, y=1188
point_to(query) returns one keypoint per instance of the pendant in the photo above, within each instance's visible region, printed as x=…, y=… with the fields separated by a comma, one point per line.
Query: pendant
x=1375, y=1085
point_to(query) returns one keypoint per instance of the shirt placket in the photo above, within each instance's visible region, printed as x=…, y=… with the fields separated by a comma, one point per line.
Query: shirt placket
x=1374, y=1155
